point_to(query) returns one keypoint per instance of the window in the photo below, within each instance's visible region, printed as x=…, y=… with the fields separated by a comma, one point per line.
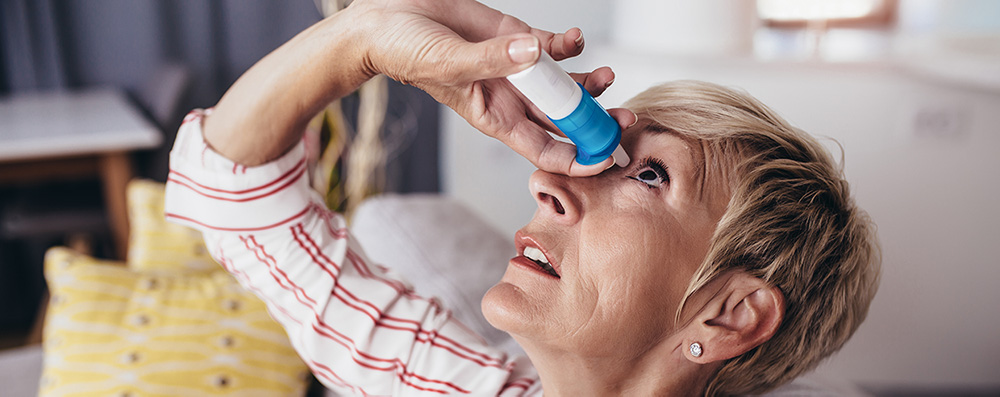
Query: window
x=801, y=13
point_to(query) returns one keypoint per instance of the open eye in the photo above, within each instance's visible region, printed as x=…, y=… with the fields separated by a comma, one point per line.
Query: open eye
x=651, y=172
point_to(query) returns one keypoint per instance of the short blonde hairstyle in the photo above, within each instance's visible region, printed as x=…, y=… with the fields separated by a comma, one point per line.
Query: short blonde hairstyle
x=790, y=221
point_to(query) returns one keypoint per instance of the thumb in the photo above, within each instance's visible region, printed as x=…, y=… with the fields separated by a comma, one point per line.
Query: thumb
x=496, y=57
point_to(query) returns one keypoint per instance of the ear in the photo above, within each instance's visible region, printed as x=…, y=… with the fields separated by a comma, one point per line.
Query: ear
x=745, y=313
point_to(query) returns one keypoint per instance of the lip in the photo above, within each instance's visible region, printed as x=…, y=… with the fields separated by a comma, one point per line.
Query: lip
x=522, y=240
x=529, y=265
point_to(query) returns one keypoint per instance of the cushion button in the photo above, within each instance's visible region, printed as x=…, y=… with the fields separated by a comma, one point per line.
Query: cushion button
x=150, y=284
x=131, y=357
x=141, y=319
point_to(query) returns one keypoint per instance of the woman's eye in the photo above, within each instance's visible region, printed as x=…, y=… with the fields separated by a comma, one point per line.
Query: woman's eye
x=651, y=172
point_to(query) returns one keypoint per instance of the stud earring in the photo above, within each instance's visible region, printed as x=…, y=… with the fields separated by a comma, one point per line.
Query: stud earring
x=696, y=349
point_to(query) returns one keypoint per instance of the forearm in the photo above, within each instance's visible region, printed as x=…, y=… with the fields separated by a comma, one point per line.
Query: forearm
x=266, y=111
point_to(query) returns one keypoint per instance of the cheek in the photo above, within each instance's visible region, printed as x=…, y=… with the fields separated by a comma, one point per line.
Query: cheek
x=639, y=259
x=627, y=264
x=631, y=307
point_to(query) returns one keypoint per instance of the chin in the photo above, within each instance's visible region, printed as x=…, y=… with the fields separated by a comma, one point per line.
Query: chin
x=506, y=308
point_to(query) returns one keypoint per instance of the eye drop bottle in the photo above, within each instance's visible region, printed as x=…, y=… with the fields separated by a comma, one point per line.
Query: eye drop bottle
x=573, y=110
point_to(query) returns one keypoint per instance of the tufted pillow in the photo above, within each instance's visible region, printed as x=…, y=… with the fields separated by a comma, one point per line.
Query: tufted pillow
x=154, y=243
x=114, y=331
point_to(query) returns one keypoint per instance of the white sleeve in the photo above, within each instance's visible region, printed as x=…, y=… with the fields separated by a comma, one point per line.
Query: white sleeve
x=359, y=330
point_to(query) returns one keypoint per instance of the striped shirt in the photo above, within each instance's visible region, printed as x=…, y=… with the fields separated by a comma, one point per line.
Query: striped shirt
x=359, y=329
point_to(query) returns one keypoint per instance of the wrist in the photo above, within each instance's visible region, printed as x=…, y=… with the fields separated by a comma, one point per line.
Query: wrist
x=347, y=54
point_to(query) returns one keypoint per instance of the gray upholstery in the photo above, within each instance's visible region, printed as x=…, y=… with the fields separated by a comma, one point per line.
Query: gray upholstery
x=20, y=370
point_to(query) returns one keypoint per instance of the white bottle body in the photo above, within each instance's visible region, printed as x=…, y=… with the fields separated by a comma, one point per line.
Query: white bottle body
x=548, y=86
x=578, y=115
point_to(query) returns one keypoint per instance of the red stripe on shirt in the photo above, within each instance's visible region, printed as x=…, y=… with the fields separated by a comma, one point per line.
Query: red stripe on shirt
x=227, y=264
x=523, y=383
x=275, y=272
x=264, y=186
x=301, y=171
x=299, y=230
x=327, y=373
x=239, y=229
x=380, y=317
x=401, y=289
x=260, y=251
x=395, y=363
x=192, y=116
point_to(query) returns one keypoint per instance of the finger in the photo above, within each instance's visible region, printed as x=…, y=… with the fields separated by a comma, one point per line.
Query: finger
x=549, y=154
x=502, y=56
x=597, y=81
x=541, y=119
x=533, y=143
x=577, y=169
x=625, y=118
x=563, y=45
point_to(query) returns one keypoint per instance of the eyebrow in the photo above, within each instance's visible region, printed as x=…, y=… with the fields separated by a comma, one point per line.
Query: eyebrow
x=659, y=128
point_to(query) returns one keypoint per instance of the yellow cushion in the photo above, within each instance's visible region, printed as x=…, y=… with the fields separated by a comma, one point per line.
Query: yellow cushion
x=154, y=243
x=114, y=331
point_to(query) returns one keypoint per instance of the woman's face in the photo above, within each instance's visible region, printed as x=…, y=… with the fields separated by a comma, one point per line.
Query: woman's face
x=623, y=246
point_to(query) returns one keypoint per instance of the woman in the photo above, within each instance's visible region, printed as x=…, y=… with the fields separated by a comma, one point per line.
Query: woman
x=727, y=258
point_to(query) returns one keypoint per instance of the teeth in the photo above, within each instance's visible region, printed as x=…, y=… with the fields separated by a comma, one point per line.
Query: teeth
x=535, y=254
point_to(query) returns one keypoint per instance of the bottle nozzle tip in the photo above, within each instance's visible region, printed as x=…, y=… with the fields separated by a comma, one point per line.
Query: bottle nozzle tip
x=621, y=158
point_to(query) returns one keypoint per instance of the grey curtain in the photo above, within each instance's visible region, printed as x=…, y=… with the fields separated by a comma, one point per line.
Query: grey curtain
x=52, y=44
x=67, y=44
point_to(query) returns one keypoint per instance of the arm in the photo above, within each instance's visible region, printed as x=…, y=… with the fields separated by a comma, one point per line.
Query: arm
x=359, y=330
x=237, y=174
x=455, y=50
x=240, y=180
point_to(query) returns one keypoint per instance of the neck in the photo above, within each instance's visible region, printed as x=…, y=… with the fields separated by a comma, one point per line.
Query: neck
x=660, y=371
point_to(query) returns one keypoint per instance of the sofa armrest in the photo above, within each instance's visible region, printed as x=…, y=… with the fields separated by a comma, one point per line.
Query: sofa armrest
x=20, y=370
x=442, y=248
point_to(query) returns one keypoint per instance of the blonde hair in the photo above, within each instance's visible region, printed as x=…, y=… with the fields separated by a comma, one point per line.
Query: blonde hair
x=790, y=221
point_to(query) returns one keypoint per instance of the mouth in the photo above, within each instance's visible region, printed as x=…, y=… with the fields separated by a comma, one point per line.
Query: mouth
x=530, y=249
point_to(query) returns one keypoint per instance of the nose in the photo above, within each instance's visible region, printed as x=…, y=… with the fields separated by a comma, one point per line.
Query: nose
x=554, y=196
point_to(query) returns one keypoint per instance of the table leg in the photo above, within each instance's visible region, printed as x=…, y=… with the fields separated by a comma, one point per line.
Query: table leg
x=116, y=171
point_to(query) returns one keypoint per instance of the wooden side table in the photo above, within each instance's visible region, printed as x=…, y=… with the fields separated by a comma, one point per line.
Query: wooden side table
x=73, y=134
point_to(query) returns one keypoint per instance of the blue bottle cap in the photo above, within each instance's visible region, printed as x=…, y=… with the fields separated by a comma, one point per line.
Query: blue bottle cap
x=595, y=133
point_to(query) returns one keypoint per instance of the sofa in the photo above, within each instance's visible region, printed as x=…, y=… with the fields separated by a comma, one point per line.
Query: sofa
x=434, y=242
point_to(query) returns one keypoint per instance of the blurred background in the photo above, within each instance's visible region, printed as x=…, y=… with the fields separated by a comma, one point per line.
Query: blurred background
x=907, y=90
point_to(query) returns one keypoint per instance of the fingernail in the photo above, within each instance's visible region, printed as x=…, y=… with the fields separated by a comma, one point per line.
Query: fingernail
x=579, y=40
x=523, y=50
x=608, y=84
x=634, y=120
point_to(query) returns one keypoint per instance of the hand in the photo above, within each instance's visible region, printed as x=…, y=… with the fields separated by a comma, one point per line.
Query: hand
x=459, y=50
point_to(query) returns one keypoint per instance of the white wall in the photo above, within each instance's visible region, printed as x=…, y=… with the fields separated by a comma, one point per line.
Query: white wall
x=591, y=16
x=923, y=157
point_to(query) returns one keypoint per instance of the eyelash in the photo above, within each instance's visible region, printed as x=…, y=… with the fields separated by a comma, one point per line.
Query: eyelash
x=655, y=165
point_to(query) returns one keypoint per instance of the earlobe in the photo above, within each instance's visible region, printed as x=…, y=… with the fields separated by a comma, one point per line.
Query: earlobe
x=745, y=313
